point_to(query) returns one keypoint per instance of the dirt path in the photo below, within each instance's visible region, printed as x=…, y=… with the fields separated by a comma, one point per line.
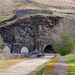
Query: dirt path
x=24, y=67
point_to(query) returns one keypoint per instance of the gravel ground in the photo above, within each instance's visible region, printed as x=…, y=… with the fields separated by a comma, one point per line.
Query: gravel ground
x=25, y=67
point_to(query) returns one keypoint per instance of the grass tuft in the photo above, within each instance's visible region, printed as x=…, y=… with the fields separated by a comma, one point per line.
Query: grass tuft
x=70, y=58
x=2, y=18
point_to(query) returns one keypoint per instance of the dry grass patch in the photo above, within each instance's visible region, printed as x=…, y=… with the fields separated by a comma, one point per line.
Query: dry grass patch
x=6, y=7
x=63, y=11
x=4, y=64
x=54, y=3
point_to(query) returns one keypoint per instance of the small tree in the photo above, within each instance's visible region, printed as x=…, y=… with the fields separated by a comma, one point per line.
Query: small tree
x=65, y=45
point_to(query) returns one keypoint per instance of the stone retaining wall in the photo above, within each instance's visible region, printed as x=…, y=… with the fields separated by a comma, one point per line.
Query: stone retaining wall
x=51, y=54
x=10, y=56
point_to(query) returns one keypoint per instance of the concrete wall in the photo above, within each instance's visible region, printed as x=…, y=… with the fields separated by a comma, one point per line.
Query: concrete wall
x=10, y=56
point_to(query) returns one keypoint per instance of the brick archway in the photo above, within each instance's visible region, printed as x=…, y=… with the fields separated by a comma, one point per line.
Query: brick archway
x=49, y=49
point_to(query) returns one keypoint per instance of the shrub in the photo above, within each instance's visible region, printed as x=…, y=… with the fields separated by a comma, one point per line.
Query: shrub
x=65, y=45
x=1, y=42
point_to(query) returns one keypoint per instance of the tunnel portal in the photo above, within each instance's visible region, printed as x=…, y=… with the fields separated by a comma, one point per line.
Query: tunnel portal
x=49, y=49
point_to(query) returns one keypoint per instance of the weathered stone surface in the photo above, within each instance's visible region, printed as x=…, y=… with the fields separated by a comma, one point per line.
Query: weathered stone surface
x=10, y=56
x=16, y=47
x=34, y=32
x=22, y=12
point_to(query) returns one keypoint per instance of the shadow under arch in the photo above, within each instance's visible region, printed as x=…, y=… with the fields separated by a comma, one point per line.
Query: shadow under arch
x=49, y=49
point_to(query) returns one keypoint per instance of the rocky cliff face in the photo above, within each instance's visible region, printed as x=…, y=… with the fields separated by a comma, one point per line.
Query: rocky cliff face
x=34, y=32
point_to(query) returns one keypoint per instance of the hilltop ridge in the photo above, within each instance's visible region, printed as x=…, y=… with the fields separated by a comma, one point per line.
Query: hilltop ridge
x=59, y=7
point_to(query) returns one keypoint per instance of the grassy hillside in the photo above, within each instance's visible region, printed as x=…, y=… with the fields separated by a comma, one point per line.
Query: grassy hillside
x=7, y=6
x=64, y=3
x=58, y=6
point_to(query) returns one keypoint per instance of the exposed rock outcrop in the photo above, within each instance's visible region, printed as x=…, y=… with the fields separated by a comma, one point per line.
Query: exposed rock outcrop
x=34, y=32
x=23, y=12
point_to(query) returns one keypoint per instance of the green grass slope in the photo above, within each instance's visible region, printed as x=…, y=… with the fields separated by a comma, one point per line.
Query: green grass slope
x=71, y=59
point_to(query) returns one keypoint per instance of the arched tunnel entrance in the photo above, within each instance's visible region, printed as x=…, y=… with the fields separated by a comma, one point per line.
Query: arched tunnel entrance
x=49, y=49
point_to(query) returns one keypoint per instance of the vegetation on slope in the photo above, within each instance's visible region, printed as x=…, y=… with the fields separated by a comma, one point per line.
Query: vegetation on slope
x=65, y=45
x=54, y=3
x=7, y=7
x=41, y=4
x=2, y=18
x=34, y=4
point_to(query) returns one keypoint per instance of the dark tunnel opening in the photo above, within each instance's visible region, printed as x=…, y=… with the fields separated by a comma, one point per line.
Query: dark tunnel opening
x=49, y=49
